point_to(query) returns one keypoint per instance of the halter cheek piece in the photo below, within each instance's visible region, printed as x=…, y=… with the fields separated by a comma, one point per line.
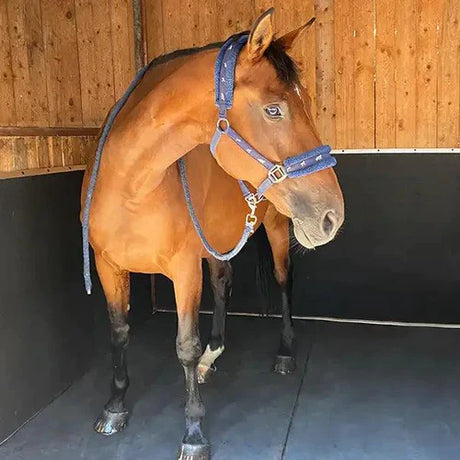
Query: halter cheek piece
x=300, y=165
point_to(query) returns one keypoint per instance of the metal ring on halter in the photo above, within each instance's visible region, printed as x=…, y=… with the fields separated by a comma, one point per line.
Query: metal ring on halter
x=219, y=127
x=277, y=173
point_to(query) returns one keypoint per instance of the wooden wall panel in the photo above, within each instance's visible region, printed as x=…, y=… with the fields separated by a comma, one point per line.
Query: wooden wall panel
x=122, y=36
x=61, y=52
x=448, y=77
x=155, y=33
x=385, y=88
x=6, y=154
x=95, y=59
x=405, y=74
x=23, y=153
x=8, y=112
x=344, y=71
x=325, y=71
x=28, y=63
x=429, y=16
x=364, y=71
x=64, y=63
x=381, y=73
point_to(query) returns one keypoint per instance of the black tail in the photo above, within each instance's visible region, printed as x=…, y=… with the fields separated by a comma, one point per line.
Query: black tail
x=265, y=278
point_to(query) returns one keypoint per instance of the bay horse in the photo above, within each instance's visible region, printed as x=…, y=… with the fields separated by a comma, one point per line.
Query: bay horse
x=149, y=203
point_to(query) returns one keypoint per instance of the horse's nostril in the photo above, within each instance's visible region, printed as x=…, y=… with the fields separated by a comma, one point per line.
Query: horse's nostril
x=329, y=222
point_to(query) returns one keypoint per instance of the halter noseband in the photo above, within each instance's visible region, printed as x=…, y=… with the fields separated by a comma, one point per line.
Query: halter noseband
x=300, y=165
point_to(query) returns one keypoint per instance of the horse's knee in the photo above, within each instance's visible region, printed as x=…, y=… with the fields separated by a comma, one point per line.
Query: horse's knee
x=120, y=335
x=188, y=350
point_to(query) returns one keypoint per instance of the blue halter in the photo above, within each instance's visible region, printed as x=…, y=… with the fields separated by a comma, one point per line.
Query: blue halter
x=300, y=165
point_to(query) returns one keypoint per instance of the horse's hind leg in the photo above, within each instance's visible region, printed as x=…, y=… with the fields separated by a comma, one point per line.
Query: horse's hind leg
x=221, y=281
x=277, y=228
x=115, y=283
x=187, y=288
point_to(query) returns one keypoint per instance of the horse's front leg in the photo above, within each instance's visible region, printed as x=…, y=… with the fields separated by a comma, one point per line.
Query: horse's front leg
x=115, y=283
x=277, y=228
x=221, y=282
x=187, y=288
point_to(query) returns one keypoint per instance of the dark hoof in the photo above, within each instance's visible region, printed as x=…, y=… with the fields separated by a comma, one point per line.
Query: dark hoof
x=111, y=422
x=204, y=373
x=194, y=452
x=284, y=365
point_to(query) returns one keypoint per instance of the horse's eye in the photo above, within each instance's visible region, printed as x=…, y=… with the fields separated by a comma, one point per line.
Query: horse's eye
x=273, y=111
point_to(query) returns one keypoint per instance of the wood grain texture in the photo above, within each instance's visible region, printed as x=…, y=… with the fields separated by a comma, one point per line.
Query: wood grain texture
x=171, y=25
x=28, y=63
x=325, y=73
x=448, y=134
x=364, y=71
x=155, y=32
x=6, y=154
x=344, y=71
x=385, y=87
x=405, y=75
x=397, y=88
x=64, y=64
x=61, y=52
x=19, y=153
x=122, y=36
x=429, y=16
x=8, y=112
x=95, y=53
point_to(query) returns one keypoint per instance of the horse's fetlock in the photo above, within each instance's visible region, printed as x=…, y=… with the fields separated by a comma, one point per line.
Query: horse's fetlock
x=195, y=411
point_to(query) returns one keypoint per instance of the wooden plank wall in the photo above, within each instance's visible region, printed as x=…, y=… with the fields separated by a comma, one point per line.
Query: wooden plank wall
x=63, y=64
x=20, y=153
x=382, y=73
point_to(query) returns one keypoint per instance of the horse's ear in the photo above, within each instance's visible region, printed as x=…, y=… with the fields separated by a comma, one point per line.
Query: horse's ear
x=261, y=36
x=287, y=41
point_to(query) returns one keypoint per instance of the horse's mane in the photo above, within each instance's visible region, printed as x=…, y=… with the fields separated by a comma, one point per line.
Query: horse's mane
x=286, y=68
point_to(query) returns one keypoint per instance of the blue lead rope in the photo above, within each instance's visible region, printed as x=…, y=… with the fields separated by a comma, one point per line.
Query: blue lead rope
x=248, y=228
x=92, y=182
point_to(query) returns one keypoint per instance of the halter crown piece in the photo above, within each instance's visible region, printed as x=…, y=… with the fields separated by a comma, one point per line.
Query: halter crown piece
x=303, y=164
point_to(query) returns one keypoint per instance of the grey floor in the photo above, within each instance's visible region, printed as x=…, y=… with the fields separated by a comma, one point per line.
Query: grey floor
x=360, y=392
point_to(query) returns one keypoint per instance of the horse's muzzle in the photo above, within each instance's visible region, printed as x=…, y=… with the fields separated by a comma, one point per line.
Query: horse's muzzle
x=316, y=232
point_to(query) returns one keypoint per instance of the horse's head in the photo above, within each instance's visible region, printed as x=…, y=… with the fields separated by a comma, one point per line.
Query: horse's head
x=271, y=111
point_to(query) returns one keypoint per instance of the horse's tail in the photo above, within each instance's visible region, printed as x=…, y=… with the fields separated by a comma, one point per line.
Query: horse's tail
x=265, y=278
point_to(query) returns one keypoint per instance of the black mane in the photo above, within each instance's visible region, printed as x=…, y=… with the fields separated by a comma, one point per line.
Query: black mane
x=286, y=68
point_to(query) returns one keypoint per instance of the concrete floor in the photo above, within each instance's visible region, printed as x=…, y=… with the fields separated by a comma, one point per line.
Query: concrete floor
x=360, y=392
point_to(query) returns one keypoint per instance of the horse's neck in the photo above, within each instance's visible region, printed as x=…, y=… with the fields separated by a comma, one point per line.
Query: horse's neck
x=168, y=114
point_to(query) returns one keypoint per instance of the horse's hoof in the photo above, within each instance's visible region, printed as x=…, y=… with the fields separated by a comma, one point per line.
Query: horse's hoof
x=194, y=452
x=203, y=372
x=111, y=422
x=284, y=365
